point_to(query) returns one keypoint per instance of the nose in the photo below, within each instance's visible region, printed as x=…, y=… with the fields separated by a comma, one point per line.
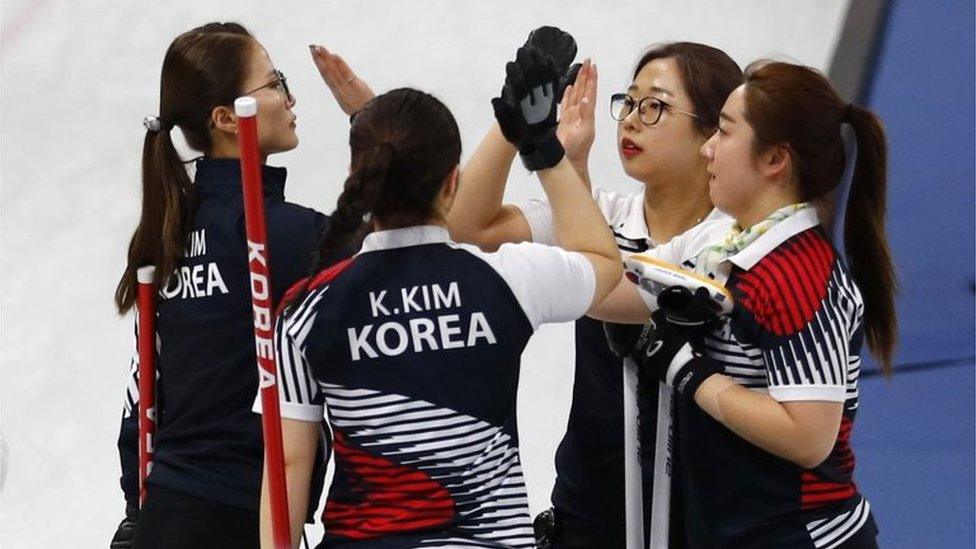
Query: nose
x=632, y=121
x=290, y=100
x=708, y=148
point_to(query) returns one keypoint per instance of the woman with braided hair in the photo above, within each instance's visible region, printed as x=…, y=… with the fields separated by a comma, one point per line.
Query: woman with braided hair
x=412, y=346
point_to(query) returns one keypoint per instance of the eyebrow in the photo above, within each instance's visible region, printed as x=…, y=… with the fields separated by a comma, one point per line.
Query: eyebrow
x=724, y=116
x=661, y=91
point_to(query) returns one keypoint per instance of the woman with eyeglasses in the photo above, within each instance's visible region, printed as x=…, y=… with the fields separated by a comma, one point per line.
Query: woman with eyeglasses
x=766, y=397
x=204, y=486
x=663, y=118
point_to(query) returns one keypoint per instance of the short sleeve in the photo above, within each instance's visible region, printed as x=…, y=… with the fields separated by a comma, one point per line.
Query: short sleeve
x=538, y=214
x=551, y=284
x=808, y=365
x=298, y=392
x=802, y=328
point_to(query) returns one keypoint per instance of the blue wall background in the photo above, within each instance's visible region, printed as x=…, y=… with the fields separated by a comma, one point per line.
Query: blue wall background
x=915, y=432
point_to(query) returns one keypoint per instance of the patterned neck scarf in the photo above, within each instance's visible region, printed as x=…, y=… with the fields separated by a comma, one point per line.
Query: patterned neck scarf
x=708, y=259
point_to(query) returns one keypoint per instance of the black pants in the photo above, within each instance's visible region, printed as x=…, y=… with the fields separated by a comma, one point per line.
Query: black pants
x=572, y=532
x=170, y=520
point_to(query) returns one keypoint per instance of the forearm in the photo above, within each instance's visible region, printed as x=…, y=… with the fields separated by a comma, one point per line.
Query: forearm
x=482, y=188
x=582, y=167
x=801, y=432
x=623, y=305
x=578, y=223
x=298, y=481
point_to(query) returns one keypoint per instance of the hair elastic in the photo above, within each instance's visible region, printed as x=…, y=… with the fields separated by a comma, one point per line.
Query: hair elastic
x=155, y=124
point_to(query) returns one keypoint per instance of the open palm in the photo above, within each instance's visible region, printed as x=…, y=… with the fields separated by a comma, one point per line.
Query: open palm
x=576, y=129
x=350, y=92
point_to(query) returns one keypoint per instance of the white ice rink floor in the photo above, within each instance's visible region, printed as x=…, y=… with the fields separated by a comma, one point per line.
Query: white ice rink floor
x=77, y=78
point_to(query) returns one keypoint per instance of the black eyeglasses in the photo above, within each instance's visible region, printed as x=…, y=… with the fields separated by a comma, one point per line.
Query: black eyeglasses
x=280, y=83
x=649, y=109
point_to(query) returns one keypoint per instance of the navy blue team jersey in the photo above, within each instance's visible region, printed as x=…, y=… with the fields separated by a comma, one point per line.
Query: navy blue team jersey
x=589, y=483
x=412, y=348
x=795, y=333
x=208, y=442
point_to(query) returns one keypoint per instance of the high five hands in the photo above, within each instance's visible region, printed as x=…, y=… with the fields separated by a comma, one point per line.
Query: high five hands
x=350, y=91
x=576, y=129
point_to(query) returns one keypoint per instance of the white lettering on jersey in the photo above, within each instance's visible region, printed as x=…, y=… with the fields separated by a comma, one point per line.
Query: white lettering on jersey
x=422, y=329
x=480, y=328
x=188, y=282
x=407, y=297
x=417, y=299
x=401, y=338
x=197, y=244
x=451, y=299
x=444, y=322
x=392, y=338
x=376, y=304
x=358, y=342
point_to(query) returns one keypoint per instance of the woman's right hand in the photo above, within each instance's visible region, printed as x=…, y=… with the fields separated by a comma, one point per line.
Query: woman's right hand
x=577, y=129
x=350, y=92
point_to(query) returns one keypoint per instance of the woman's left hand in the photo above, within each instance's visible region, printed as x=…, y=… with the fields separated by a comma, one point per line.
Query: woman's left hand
x=350, y=91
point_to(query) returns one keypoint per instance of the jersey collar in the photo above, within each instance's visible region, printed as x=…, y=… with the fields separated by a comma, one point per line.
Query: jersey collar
x=401, y=238
x=800, y=221
x=225, y=173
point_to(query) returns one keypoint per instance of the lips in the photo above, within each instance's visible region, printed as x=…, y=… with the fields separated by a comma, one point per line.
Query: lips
x=628, y=148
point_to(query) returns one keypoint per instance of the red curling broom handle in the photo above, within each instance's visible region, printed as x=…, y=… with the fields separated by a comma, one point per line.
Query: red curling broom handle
x=257, y=259
x=147, y=374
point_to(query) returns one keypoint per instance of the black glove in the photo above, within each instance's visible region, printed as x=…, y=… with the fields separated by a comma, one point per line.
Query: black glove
x=665, y=350
x=561, y=47
x=127, y=528
x=526, y=109
x=622, y=338
x=683, y=307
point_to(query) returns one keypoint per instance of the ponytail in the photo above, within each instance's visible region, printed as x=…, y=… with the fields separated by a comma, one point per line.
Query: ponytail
x=161, y=234
x=864, y=234
x=796, y=105
x=203, y=68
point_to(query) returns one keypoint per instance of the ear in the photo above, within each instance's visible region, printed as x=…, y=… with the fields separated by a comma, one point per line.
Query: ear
x=451, y=184
x=445, y=199
x=776, y=162
x=224, y=119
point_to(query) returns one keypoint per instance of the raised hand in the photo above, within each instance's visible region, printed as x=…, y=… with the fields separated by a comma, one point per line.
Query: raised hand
x=577, y=128
x=350, y=91
x=561, y=47
x=526, y=109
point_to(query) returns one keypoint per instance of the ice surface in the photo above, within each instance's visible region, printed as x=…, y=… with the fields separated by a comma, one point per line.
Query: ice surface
x=77, y=80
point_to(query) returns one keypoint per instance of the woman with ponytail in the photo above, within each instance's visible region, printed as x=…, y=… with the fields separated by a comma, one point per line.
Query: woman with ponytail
x=203, y=490
x=412, y=347
x=766, y=397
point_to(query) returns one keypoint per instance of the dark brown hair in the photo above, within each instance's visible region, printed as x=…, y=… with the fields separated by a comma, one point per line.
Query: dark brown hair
x=797, y=106
x=204, y=68
x=708, y=74
x=404, y=144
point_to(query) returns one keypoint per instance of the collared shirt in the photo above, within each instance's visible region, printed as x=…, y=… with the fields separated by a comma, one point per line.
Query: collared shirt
x=208, y=443
x=412, y=348
x=795, y=332
x=589, y=461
